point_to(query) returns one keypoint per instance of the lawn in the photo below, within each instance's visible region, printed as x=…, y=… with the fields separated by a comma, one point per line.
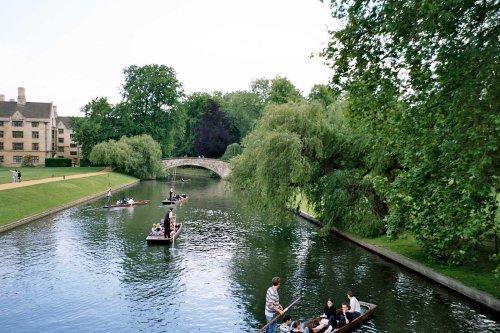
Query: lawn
x=29, y=200
x=38, y=173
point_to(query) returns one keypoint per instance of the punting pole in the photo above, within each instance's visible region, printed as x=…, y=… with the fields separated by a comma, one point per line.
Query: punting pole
x=276, y=318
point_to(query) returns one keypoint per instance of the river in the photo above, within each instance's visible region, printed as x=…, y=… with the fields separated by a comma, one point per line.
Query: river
x=89, y=269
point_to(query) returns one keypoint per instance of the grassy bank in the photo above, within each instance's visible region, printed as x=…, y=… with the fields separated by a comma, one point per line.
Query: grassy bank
x=39, y=173
x=25, y=201
x=477, y=275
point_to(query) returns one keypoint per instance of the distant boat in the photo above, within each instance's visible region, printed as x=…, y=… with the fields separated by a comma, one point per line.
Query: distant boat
x=176, y=200
x=184, y=180
x=160, y=239
x=135, y=203
x=367, y=310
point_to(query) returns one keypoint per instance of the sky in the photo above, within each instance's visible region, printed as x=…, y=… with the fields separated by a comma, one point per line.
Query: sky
x=71, y=51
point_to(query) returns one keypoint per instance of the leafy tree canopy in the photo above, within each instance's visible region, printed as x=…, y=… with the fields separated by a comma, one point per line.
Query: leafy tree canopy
x=213, y=132
x=139, y=156
x=422, y=82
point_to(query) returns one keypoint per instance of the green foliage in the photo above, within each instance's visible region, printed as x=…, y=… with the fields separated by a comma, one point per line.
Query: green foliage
x=283, y=91
x=192, y=109
x=323, y=94
x=243, y=109
x=57, y=162
x=422, y=83
x=151, y=97
x=232, y=150
x=295, y=149
x=139, y=156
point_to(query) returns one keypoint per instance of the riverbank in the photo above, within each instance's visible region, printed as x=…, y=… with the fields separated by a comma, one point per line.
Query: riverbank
x=24, y=204
x=474, y=294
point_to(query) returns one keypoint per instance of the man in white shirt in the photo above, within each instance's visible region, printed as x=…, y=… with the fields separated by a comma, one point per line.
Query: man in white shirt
x=354, y=304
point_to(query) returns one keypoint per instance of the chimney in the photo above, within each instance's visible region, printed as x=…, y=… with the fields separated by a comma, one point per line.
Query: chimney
x=54, y=109
x=2, y=98
x=21, y=96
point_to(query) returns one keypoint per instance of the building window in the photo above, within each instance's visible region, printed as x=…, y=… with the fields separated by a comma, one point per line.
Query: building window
x=17, y=146
x=35, y=159
x=17, y=123
x=1, y=134
x=35, y=146
x=1, y=123
x=17, y=134
x=1, y=159
x=1, y=145
x=18, y=159
x=60, y=149
x=34, y=135
x=60, y=131
x=73, y=145
x=72, y=153
x=71, y=136
x=34, y=124
x=60, y=140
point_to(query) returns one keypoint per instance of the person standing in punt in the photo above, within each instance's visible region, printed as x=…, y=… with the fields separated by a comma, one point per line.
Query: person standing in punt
x=167, y=219
x=108, y=198
x=273, y=306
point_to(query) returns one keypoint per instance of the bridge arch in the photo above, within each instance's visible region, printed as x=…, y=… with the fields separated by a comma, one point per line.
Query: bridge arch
x=221, y=168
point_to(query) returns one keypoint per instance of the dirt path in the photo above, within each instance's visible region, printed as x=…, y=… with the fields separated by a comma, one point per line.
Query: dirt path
x=49, y=180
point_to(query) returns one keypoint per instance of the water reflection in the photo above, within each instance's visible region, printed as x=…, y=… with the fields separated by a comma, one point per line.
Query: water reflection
x=89, y=269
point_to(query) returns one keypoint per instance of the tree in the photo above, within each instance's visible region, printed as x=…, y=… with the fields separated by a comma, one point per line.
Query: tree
x=232, y=150
x=243, y=109
x=97, y=125
x=422, y=81
x=294, y=149
x=212, y=133
x=139, y=156
x=262, y=88
x=323, y=94
x=283, y=91
x=193, y=108
x=151, y=97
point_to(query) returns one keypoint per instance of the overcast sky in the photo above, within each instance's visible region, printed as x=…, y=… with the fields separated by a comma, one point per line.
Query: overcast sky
x=71, y=51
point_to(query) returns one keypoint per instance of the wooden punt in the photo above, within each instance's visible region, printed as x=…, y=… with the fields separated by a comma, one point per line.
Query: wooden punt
x=175, y=201
x=367, y=310
x=136, y=203
x=160, y=239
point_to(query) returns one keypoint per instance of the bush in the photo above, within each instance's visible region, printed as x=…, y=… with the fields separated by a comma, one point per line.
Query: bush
x=57, y=162
x=28, y=161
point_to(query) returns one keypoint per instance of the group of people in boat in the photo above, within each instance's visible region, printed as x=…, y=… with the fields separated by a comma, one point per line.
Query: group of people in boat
x=167, y=226
x=329, y=320
x=124, y=201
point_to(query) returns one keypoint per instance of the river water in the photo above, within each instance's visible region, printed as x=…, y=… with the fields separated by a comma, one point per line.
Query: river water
x=89, y=269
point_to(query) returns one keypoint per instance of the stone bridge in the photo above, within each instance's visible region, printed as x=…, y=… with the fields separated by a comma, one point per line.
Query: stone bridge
x=221, y=168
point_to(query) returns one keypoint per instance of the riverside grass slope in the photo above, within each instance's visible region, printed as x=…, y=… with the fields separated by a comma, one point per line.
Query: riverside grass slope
x=22, y=202
x=478, y=274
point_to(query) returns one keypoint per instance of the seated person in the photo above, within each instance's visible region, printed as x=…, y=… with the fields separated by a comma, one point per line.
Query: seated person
x=123, y=201
x=172, y=227
x=322, y=326
x=345, y=317
x=354, y=305
x=153, y=228
x=157, y=230
x=297, y=327
x=130, y=200
x=285, y=326
x=331, y=313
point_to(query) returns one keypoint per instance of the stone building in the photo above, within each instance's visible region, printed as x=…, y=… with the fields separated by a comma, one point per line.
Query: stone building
x=34, y=130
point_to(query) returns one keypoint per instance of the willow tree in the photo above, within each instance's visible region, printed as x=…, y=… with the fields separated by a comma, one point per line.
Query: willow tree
x=423, y=81
x=294, y=149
